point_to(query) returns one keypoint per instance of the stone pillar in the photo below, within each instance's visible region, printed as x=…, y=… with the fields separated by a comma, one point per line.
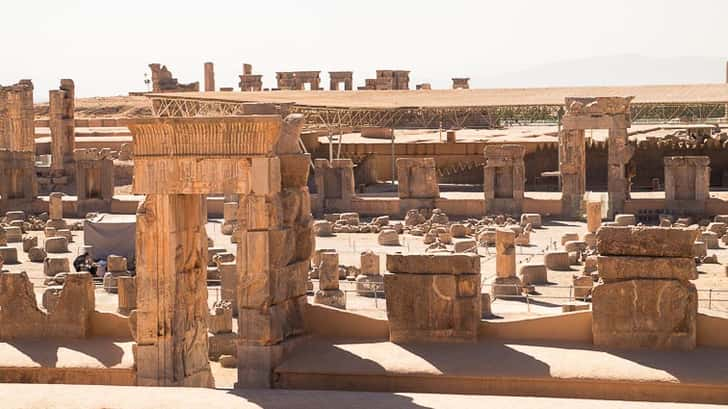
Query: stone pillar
x=506, y=283
x=171, y=318
x=230, y=217
x=229, y=284
x=329, y=292
x=618, y=181
x=127, y=294
x=61, y=106
x=504, y=178
x=593, y=216
x=18, y=185
x=209, y=77
x=572, y=167
x=687, y=183
x=55, y=211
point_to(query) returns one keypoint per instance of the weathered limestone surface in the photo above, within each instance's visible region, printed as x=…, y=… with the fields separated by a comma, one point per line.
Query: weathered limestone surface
x=687, y=183
x=620, y=268
x=658, y=314
x=20, y=316
x=426, y=306
x=94, y=179
x=646, y=241
x=335, y=186
x=338, y=77
x=452, y=264
x=504, y=178
x=647, y=300
x=18, y=185
x=162, y=81
x=61, y=120
x=209, y=77
x=593, y=216
x=417, y=178
x=505, y=253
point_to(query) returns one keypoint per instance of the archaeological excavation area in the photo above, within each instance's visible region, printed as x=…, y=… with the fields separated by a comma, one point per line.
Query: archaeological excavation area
x=384, y=237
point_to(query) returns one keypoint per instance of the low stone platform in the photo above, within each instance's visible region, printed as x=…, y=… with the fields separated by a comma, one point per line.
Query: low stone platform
x=17, y=396
x=94, y=361
x=551, y=370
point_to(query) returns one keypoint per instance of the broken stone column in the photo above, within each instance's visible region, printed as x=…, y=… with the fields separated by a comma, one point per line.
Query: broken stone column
x=127, y=294
x=18, y=187
x=55, y=211
x=593, y=222
x=619, y=155
x=647, y=300
x=504, y=178
x=433, y=298
x=229, y=284
x=461, y=83
x=329, y=292
x=573, y=171
x=209, y=77
x=506, y=283
x=369, y=283
x=61, y=107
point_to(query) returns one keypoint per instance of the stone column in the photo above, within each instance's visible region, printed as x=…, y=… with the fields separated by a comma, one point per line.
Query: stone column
x=209, y=77
x=230, y=217
x=572, y=153
x=329, y=292
x=171, y=317
x=55, y=211
x=506, y=282
x=369, y=281
x=127, y=294
x=618, y=182
x=61, y=120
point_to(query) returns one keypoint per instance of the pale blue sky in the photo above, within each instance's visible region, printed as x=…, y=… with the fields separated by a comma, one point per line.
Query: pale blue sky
x=105, y=46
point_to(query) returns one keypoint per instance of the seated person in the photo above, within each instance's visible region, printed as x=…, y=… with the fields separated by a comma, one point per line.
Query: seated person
x=84, y=262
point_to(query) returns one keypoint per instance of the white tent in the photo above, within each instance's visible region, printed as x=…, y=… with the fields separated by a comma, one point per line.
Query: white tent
x=111, y=234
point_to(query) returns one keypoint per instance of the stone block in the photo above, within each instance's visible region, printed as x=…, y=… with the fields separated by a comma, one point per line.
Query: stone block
x=433, y=307
x=433, y=264
x=654, y=314
x=13, y=234
x=37, y=254
x=29, y=242
x=465, y=246
x=485, y=301
x=49, y=232
x=574, y=306
x=369, y=285
x=116, y=264
x=566, y=237
x=55, y=265
x=322, y=228
x=65, y=233
x=221, y=344
x=369, y=262
x=272, y=325
x=710, y=239
x=505, y=287
x=718, y=228
x=616, y=268
x=533, y=273
x=458, y=230
x=582, y=286
x=531, y=218
x=388, y=237
x=593, y=216
x=625, y=220
x=557, y=260
x=14, y=215
x=575, y=246
x=56, y=245
x=505, y=253
x=333, y=298
x=646, y=241
x=220, y=319
x=9, y=255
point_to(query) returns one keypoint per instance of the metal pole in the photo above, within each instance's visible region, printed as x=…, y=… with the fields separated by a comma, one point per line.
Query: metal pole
x=394, y=165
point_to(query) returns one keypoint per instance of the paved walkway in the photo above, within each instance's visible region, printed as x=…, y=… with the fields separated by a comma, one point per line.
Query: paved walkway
x=22, y=396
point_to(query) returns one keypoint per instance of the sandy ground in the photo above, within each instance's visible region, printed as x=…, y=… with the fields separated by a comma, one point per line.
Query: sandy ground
x=20, y=396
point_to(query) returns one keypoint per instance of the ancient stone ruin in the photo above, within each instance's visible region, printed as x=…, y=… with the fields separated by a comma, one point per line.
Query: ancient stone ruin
x=250, y=81
x=647, y=300
x=461, y=83
x=504, y=180
x=298, y=80
x=209, y=77
x=341, y=77
x=687, y=183
x=18, y=185
x=61, y=112
x=162, y=81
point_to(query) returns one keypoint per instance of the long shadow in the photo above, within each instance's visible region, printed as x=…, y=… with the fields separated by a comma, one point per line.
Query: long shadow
x=286, y=398
x=45, y=352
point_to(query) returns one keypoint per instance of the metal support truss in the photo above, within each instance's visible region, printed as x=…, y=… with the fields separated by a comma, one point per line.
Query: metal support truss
x=333, y=118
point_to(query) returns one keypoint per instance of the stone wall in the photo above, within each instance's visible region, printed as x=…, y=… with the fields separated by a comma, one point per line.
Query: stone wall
x=18, y=185
x=70, y=316
x=163, y=81
x=94, y=180
x=504, y=180
x=337, y=77
x=334, y=182
x=687, y=183
x=249, y=81
x=417, y=178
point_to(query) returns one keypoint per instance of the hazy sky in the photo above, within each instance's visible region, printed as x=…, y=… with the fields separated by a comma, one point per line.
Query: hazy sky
x=106, y=46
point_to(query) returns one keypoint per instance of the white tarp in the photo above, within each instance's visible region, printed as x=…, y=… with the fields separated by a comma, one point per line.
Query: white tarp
x=111, y=234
